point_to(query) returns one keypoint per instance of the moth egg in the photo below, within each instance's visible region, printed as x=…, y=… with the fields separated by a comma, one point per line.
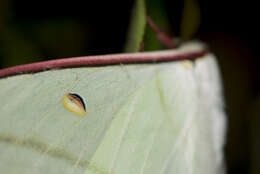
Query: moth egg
x=74, y=103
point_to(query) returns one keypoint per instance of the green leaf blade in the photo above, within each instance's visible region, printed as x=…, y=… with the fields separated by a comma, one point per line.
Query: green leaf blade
x=137, y=27
x=157, y=11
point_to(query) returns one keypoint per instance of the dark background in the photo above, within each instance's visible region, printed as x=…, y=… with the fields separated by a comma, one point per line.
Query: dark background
x=33, y=31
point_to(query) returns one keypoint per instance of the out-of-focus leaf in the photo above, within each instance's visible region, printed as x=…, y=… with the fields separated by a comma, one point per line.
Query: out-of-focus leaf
x=137, y=27
x=156, y=10
x=148, y=118
x=60, y=38
x=190, y=19
x=16, y=49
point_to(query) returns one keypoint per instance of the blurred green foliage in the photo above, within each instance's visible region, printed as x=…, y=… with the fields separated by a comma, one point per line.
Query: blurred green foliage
x=29, y=41
x=156, y=10
x=26, y=40
x=190, y=19
x=136, y=27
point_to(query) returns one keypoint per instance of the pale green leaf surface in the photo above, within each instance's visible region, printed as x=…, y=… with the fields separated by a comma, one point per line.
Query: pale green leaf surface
x=148, y=119
x=137, y=27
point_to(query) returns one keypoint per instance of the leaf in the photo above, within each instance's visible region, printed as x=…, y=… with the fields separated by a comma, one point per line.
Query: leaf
x=157, y=11
x=141, y=118
x=190, y=19
x=137, y=27
x=16, y=49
